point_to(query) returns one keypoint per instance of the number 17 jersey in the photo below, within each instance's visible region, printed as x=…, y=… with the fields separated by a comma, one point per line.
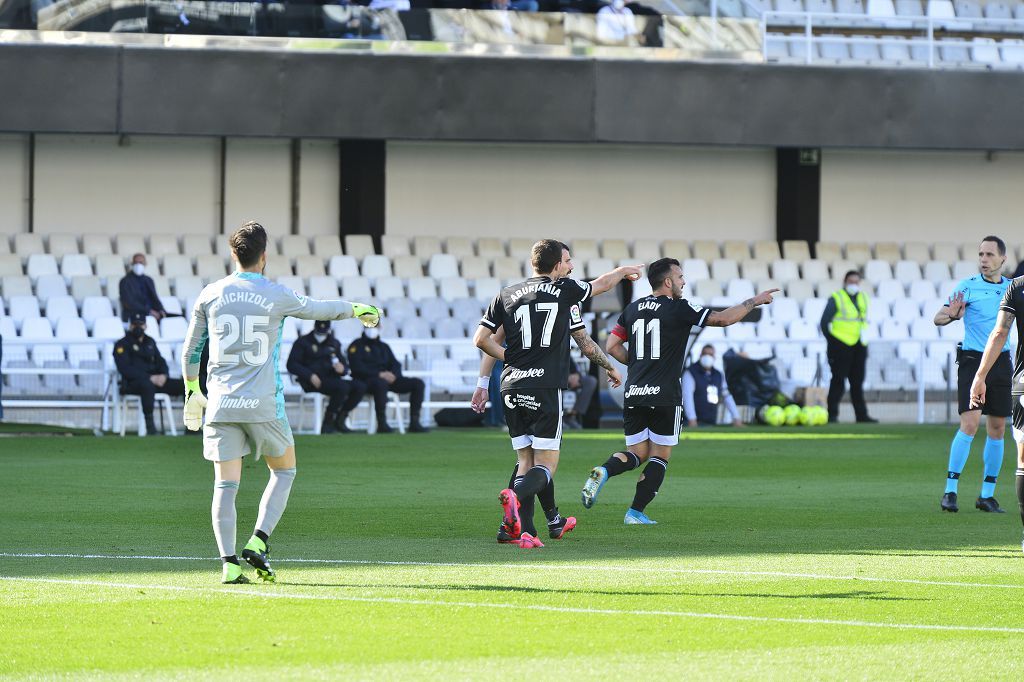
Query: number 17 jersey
x=657, y=329
x=538, y=316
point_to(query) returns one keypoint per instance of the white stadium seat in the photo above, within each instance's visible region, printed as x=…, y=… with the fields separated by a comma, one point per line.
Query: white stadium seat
x=108, y=328
x=421, y=288
x=28, y=243
x=21, y=308
x=646, y=250
x=394, y=245
x=803, y=330
x=62, y=244
x=358, y=245
x=740, y=289
x=486, y=288
x=61, y=306
x=96, y=244
x=425, y=247
x=936, y=271
x=323, y=287
x=475, y=266
x=616, y=249
x=374, y=266
x=94, y=308
x=784, y=310
x=40, y=264
x=340, y=266
x=293, y=282
x=10, y=265
x=294, y=245
x=443, y=265
x=695, y=269
x=964, y=269
x=50, y=285
x=784, y=271
x=355, y=289
x=387, y=288
x=724, y=269
x=490, y=247
x=71, y=329
x=921, y=290
x=889, y=290
x=906, y=271
x=127, y=245
x=877, y=270
x=326, y=245
x=309, y=266
x=453, y=288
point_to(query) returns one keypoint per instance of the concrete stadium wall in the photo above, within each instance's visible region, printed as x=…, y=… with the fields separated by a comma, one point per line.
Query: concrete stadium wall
x=151, y=184
x=578, y=191
x=926, y=196
x=147, y=184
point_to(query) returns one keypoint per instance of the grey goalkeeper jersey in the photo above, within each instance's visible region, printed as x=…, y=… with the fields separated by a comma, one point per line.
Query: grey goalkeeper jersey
x=242, y=315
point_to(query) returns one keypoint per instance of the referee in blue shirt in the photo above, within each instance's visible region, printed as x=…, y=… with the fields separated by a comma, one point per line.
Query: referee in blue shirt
x=976, y=301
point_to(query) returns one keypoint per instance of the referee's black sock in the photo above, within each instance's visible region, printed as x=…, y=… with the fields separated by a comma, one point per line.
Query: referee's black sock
x=615, y=465
x=650, y=481
x=1020, y=493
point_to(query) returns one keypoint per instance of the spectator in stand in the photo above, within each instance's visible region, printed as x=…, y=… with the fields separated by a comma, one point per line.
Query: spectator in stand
x=704, y=389
x=375, y=364
x=515, y=5
x=143, y=370
x=138, y=293
x=321, y=366
x=585, y=386
x=616, y=23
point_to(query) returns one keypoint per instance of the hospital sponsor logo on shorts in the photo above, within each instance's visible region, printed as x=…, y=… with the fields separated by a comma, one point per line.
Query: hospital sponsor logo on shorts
x=517, y=374
x=239, y=403
x=646, y=389
x=530, y=402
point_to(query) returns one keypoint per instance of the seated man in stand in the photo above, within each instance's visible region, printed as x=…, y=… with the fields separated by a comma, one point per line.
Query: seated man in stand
x=317, y=360
x=374, y=364
x=143, y=370
x=704, y=389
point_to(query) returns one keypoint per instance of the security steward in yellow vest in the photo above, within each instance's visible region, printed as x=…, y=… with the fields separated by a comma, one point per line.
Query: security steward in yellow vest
x=842, y=323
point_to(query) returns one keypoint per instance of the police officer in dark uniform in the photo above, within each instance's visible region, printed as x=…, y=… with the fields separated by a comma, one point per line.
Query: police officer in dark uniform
x=374, y=363
x=321, y=367
x=143, y=370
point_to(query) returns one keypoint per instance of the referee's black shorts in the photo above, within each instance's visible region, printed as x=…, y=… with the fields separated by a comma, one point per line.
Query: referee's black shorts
x=998, y=402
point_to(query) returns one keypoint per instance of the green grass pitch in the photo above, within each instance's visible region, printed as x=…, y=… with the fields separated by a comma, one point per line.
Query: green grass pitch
x=781, y=554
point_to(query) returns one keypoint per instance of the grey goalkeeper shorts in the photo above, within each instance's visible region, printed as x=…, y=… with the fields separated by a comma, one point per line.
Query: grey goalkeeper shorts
x=223, y=442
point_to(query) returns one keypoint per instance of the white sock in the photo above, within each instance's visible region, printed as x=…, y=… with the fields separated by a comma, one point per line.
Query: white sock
x=275, y=499
x=224, y=517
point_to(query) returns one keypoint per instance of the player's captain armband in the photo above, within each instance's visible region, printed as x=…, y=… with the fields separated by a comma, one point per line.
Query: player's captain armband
x=620, y=332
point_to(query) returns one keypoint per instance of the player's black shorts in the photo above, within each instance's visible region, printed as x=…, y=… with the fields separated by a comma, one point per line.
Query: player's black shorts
x=659, y=424
x=997, y=391
x=534, y=417
x=1018, y=419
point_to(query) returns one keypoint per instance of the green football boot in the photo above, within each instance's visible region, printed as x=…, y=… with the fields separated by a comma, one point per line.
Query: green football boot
x=257, y=554
x=233, y=575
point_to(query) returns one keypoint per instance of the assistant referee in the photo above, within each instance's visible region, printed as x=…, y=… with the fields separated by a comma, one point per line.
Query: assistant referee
x=976, y=301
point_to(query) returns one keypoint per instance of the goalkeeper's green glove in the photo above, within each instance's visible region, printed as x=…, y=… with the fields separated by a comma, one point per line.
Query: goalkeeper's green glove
x=195, y=403
x=367, y=314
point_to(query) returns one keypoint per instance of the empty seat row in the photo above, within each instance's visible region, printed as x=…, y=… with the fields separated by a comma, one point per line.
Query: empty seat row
x=895, y=50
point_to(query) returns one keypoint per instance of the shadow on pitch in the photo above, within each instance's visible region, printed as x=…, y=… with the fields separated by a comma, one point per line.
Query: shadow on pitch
x=520, y=589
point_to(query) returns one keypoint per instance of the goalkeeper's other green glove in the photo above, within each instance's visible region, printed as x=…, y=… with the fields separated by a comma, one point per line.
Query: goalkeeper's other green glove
x=367, y=314
x=195, y=403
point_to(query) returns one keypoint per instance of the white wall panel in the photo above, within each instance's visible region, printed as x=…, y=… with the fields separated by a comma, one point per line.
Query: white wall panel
x=318, y=188
x=13, y=184
x=570, y=191
x=139, y=185
x=921, y=196
x=258, y=184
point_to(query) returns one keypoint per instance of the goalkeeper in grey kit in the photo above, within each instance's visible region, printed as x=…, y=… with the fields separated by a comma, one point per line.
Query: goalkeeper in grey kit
x=242, y=316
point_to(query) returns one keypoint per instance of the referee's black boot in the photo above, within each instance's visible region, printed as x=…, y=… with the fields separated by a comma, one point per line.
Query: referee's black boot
x=949, y=503
x=989, y=504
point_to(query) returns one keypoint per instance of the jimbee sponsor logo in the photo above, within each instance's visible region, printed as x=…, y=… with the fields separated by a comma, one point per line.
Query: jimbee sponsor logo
x=646, y=389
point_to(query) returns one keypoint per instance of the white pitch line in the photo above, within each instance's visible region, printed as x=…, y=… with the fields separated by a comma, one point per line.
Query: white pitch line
x=521, y=607
x=538, y=566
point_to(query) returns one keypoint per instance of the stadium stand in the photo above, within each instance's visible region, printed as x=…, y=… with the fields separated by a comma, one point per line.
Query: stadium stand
x=433, y=296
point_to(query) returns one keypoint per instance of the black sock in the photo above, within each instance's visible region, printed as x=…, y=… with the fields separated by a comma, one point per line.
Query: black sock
x=262, y=536
x=547, y=502
x=650, y=481
x=615, y=466
x=233, y=559
x=535, y=480
x=1020, y=493
x=512, y=478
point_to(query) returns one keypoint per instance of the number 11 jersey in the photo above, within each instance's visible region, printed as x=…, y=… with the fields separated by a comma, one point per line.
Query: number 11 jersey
x=538, y=316
x=657, y=329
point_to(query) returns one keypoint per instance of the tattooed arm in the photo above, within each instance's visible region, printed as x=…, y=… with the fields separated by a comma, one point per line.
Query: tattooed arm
x=996, y=341
x=736, y=313
x=591, y=350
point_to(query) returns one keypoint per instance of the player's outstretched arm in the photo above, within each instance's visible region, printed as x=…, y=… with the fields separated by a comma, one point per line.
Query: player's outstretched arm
x=732, y=315
x=608, y=280
x=481, y=394
x=617, y=349
x=952, y=312
x=994, y=346
x=596, y=355
x=306, y=308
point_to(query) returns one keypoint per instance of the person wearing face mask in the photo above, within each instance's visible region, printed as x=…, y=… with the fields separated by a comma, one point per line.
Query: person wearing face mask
x=704, y=389
x=321, y=367
x=143, y=370
x=842, y=323
x=616, y=23
x=138, y=293
x=375, y=364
